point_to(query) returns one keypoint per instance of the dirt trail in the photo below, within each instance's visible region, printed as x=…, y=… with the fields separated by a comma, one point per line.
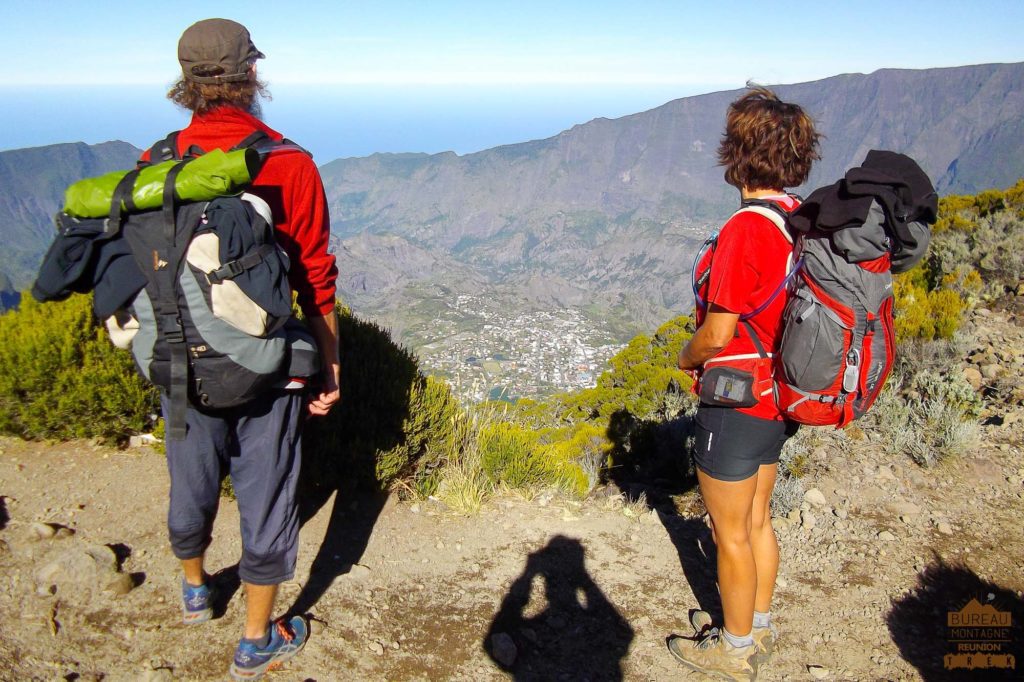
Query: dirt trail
x=574, y=591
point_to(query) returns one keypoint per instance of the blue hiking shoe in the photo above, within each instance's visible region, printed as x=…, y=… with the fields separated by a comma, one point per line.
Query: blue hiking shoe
x=196, y=602
x=287, y=637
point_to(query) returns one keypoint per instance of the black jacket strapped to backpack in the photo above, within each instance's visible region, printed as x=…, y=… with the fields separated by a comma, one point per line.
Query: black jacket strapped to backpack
x=892, y=181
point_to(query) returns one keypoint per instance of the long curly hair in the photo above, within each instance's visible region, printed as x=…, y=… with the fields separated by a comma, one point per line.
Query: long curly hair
x=201, y=98
x=768, y=143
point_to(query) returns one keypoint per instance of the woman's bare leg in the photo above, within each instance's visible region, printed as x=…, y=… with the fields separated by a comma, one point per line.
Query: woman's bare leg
x=763, y=542
x=730, y=503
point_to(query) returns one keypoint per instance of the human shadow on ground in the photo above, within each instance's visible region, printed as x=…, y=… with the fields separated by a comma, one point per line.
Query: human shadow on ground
x=571, y=631
x=4, y=516
x=225, y=583
x=952, y=612
x=340, y=450
x=653, y=464
x=353, y=517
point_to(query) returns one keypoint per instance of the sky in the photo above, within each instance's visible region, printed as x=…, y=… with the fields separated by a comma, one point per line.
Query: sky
x=353, y=78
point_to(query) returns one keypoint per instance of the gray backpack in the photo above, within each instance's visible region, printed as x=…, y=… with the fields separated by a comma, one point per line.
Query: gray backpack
x=839, y=341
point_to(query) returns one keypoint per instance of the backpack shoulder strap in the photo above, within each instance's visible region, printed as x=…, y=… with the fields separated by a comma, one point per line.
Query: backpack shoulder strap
x=167, y=150
x=780, y=218
x=772, y=211
x=254, y=139
x=162, y=150
x=265, y=144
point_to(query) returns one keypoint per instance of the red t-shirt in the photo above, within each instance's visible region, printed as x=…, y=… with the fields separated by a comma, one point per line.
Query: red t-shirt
x=750, y=260
x=290, y=183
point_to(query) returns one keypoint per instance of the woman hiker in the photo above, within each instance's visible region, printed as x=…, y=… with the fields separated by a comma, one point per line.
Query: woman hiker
x=768, y=145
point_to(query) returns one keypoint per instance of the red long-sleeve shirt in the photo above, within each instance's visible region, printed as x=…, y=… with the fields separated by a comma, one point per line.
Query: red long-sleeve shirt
x=290, y=183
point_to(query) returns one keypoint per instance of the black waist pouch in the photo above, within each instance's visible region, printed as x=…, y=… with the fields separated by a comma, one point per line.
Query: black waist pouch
x=727, y=387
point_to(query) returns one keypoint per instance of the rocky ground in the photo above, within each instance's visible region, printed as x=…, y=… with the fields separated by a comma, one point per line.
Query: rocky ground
x=541, y=589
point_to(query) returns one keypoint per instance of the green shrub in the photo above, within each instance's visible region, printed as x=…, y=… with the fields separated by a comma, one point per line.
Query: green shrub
x=60, y=376
x=948, y=388
x=966, y=282
x=434, y=430
x=509, y=455
x=976, y=251
x=576, y=455
x=632, y=414
x=924, y=314
x=640, y=380
x=984, y=232
x=1014, y=197
x=998, y=248
x=462, y=483
x=947, y=309
x=928, y=416
x=393, y=426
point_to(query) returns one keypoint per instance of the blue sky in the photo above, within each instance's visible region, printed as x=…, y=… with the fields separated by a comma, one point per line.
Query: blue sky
x=355, y=77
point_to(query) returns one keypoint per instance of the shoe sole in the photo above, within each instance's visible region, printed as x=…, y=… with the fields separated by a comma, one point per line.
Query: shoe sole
x=196, y=617
x=673, y=643
x=257, y=672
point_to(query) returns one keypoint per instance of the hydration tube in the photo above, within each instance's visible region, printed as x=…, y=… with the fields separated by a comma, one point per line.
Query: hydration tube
x=698, y=283
x=778, y=290
x=708, y=243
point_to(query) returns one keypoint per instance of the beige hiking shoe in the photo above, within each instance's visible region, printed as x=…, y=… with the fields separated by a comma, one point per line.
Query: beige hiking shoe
x=714, y=656
x=764, y=640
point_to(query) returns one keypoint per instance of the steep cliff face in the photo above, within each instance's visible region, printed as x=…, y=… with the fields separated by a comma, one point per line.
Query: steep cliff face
x=613, y=209
x=962, y=124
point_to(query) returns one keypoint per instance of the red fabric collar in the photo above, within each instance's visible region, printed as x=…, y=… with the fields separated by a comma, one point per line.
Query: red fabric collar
x=225, y=123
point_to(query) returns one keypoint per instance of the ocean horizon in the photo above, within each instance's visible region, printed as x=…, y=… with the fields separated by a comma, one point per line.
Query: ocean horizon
x=333, y=121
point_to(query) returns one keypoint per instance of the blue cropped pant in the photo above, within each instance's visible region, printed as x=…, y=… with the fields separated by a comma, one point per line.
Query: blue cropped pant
x=259, y=444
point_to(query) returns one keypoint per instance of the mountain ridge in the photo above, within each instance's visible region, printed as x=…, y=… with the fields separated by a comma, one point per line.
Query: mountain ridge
x=577, y=204
x=607, y=212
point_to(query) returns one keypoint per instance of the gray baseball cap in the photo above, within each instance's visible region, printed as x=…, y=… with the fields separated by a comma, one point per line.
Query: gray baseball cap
x=216, y=51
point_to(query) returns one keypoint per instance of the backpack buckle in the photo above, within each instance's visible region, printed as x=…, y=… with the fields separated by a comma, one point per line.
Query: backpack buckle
x=229, y=270
x=172, y=329
x=111, y=226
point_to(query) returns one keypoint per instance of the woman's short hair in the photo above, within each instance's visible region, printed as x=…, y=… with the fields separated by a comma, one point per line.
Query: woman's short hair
x=201, y=98
x=768, y=143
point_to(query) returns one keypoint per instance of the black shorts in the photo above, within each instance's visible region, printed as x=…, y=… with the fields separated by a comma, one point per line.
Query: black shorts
x=730, y=445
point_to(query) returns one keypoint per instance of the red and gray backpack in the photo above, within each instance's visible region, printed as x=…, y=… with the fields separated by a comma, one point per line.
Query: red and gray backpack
x=838, y=340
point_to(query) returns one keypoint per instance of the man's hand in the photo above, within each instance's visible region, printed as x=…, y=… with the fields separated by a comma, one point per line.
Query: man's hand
x=325, y=330
x=326, y=399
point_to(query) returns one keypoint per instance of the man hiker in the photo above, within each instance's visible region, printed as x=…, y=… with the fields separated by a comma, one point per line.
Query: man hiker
x=259, y=442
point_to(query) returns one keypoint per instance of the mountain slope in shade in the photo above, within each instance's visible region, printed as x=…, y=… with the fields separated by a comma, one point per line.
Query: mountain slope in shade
x=613, y=209
x=32, y=184
x=9, y=297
